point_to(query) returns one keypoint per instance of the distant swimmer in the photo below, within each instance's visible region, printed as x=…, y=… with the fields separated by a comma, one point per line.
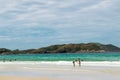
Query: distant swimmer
x=15, y=59
x=4, y=60
x=10, y=60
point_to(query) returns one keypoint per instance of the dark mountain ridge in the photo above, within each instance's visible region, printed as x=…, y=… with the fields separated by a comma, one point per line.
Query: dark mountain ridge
x=66, y=48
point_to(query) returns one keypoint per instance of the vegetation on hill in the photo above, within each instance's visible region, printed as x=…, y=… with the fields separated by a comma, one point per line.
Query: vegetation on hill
x=66, y=48
x=4, y=50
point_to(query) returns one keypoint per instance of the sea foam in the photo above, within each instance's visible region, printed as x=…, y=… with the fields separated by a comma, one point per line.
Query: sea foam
x=83, y=63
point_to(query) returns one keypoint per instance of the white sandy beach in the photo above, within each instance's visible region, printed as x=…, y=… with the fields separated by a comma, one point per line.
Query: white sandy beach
x=41, y=71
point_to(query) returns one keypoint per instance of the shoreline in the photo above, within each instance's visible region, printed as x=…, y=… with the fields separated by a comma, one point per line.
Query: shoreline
x=65, y=63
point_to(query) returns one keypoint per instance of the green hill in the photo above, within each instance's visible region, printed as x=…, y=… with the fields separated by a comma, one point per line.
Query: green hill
x=78, y=48
x=66, y=48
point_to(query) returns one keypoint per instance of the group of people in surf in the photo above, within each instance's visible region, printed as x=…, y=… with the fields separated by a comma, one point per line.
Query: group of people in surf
x=4, y=60
x=78, y=61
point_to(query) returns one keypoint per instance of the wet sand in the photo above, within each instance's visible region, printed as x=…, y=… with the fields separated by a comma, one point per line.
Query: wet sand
x=22, y=78
x=27, y=71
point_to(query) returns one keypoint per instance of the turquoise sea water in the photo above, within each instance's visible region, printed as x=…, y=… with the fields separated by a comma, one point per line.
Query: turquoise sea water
x=63, y=57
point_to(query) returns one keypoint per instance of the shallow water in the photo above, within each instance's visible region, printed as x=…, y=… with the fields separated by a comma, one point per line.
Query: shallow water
x=63, y=57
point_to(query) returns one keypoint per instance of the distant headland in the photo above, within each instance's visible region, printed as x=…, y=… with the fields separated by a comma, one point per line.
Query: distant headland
x=66, y=48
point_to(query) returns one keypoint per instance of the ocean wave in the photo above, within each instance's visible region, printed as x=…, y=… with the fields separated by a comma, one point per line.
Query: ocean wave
x=83, y=63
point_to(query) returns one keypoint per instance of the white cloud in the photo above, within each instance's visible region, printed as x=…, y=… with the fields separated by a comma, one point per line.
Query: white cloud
x=52, y=12
x=58, y=20
x=104, y=4
x=6, y=38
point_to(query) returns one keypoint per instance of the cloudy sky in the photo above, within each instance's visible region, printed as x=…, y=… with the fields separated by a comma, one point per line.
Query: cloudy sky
x=28, y=24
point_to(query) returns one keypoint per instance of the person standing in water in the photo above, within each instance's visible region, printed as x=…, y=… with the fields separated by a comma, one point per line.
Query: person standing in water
x=79, y=62
x=73, y=63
